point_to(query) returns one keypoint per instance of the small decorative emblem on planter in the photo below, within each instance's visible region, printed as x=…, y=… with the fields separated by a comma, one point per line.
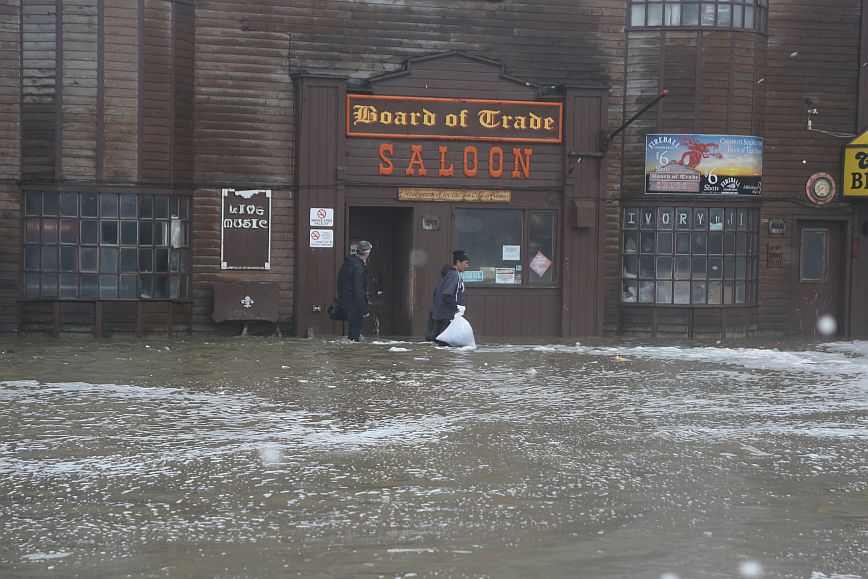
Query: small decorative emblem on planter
x=247, y=302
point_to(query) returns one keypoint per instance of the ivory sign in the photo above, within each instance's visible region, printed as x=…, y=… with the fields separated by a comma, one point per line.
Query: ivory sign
x=245, y=232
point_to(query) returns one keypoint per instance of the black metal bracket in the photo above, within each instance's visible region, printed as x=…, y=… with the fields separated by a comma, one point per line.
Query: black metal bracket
x=641, y=112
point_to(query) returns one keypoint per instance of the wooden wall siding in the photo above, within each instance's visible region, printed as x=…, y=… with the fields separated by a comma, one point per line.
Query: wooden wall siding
x=104, y=319
x=10, y=254
x=715, y=52
x=748, y=85
x=244, y=101
x=120, y=101
x=776, y=283
x=183, y=87
x=166, y=100
x=700, y=323
x=582, y=279
x=713, y=78
x=611, y=267
x=863, y=76
x=243, y=134
x=514, y=313
x=155, y=92
x=454, y=76
x=548, y=41
x=642, y=83
x=84, y=117
x=858, y=322
x=321, y=151
x=678, y=71
x=10, y=163
x=10, y=91
x=637, y=322
x=37, y=318
x=79, y=138
x=205, y=240
x=822, y=64
x=39, y=88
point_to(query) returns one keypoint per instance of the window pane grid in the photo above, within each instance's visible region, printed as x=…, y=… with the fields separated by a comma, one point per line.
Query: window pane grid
x=740, y=14
x=710, y=257
x=106, y=246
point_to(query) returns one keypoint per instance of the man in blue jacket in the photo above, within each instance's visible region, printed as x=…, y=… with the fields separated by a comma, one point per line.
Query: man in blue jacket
x=353, y=289
x=448, y=295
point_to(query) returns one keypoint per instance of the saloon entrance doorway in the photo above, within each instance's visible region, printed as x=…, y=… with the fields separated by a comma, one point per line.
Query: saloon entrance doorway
x=450, y=139
x=389, y=290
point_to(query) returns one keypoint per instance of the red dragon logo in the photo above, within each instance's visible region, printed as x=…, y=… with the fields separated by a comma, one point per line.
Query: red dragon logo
x=697, y=151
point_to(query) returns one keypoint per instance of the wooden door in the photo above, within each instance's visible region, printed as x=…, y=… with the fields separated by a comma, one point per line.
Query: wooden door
x=820, y=275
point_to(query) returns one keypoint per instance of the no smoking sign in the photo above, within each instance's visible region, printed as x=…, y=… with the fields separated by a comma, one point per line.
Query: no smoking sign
x=322, y=217
x=322, y=238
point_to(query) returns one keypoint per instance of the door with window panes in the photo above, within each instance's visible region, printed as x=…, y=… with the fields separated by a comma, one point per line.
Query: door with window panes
x=820, y=287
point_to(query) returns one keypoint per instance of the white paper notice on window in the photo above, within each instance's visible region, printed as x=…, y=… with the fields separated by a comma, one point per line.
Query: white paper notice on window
x=511, y=253
x=504, y=275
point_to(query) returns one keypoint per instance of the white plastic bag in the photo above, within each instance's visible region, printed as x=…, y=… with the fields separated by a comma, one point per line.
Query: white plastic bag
x=458, y=332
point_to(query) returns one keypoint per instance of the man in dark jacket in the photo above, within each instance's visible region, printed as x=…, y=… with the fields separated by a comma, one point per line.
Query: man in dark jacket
x=353, y=289
x=448, y=295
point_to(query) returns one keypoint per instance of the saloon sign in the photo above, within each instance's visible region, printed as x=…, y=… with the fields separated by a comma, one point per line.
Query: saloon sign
x=496, y=137
x=703, y=164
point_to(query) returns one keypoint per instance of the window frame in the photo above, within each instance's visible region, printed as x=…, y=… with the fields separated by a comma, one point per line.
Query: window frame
x=525, y=248
x=90, y=243
x=803, y=255
x=738, y=11
x=693, y=251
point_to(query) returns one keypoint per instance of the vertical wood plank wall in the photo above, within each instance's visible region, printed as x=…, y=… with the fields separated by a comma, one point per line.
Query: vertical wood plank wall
x=11, y=119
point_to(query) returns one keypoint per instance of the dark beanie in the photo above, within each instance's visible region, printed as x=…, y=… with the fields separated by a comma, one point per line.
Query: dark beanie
x=460, y=255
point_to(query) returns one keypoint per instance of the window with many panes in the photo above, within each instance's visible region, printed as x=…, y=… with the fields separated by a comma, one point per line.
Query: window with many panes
x=745, y=14
x=106, y=246
x=689, y=255
x=507, y=246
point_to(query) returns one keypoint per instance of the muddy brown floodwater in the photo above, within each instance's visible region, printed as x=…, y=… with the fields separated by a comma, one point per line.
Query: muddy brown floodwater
x=267, y=457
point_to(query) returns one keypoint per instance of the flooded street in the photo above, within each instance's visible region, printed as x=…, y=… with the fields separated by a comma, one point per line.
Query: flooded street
x=258, y=457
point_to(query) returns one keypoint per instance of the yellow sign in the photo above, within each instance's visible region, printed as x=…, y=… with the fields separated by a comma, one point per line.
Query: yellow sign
x=855, y=181
x=454, y=195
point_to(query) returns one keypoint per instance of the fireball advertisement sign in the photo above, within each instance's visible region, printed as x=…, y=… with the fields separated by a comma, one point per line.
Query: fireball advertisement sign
x=703, y=164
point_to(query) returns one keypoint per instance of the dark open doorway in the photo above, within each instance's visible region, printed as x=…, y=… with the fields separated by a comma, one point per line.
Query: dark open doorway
x=389, y=229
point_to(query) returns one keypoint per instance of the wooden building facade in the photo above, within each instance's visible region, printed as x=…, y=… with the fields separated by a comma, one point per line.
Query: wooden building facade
x=155, y=151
